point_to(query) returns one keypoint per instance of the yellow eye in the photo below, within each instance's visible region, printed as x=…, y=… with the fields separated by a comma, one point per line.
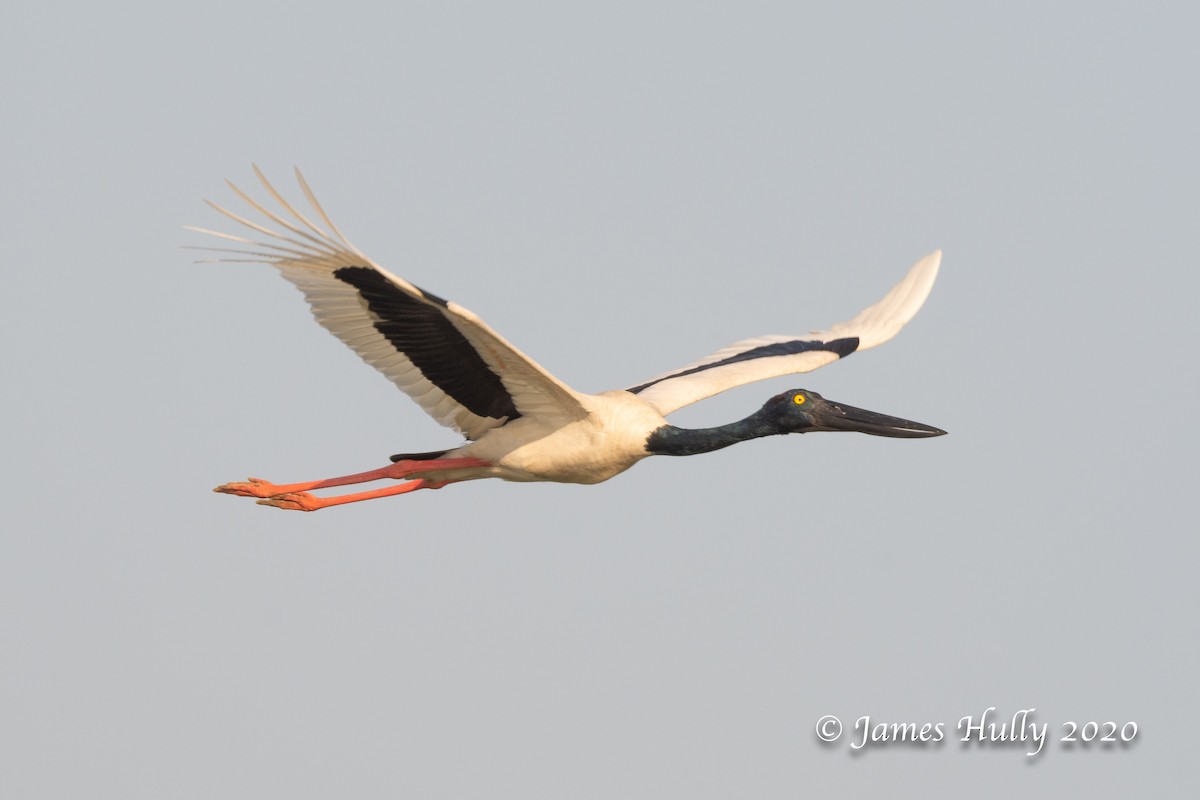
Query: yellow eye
x=798, y=399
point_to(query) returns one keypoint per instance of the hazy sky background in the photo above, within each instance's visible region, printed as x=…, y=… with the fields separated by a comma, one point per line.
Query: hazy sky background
x=618, y=189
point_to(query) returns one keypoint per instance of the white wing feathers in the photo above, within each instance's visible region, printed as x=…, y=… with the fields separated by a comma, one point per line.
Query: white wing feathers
x=465, y=375
x=472, y=384
x=876, y=324
x=772, y=356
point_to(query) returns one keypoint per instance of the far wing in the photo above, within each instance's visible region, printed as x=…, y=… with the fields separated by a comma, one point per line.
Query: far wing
x=771, y=356
x=464, y=374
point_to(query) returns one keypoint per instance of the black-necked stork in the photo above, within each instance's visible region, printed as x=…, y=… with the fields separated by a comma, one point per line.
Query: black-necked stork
x=522, y=424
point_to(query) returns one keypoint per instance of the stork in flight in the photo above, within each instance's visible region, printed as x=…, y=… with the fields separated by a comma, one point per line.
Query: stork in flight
x=523, y=424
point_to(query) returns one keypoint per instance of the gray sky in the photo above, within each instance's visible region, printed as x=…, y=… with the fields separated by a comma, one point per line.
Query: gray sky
x=618, y=190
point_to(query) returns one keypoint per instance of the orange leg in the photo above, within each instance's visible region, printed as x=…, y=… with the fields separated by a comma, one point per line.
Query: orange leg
x=256, y=487
x=303, y=501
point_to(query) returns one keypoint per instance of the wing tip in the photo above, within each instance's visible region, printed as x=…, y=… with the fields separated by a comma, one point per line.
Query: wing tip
x=928, y=266
x=878, y=323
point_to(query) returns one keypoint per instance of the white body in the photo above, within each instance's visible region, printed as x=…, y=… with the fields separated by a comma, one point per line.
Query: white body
x=608, y=441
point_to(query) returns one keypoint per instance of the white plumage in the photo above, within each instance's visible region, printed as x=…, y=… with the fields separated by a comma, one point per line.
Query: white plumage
x=872, y=326
x=523, y=424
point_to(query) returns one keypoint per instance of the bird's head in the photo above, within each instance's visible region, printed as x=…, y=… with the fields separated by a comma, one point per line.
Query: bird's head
x=802, y=411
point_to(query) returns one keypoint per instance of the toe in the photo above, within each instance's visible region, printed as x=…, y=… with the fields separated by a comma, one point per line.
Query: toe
x=254, y=487
x=292, y=501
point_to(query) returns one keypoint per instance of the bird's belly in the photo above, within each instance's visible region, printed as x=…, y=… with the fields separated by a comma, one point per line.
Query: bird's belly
x=576, y=468
x=568, y=456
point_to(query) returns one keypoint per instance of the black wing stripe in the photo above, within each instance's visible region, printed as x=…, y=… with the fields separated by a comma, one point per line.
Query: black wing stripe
x=430, y=456
x=432, y=343
x=843, y=348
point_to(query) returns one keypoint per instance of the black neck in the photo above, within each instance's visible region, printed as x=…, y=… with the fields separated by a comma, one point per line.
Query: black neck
x=671, y=441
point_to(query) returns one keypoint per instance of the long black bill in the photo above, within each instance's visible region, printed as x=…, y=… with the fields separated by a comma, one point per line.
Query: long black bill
x=838, y=417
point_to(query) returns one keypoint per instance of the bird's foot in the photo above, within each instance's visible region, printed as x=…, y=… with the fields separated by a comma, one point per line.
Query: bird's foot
x=295, y=501
x=254, y=487
x=296, y=497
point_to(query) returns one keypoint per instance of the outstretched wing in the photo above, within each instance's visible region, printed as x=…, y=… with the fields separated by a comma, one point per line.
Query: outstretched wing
x=771, y=356
x=464, y=374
